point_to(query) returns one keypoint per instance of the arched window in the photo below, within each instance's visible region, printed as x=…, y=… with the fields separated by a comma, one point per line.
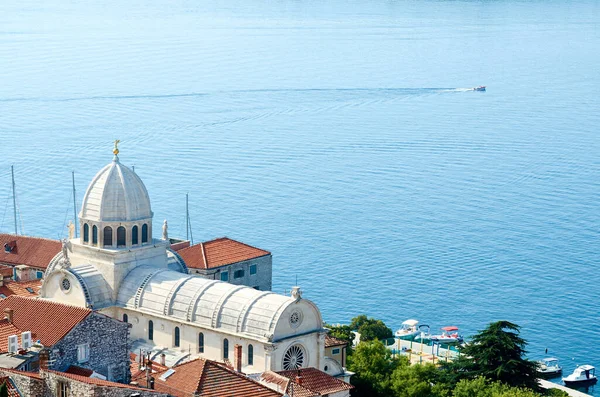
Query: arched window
x=144, y=233
x=94, y=235
x=86, y=233
x=108, y=236
x=134, y=235
x=120, y=236
x=250, y=355
x=150, y=330
x=125, y=318
x=176, y=344
x=200, y=342
x=225, y=349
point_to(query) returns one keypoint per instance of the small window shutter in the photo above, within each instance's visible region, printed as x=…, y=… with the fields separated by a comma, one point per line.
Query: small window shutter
x=13, y=343
x=26, y=339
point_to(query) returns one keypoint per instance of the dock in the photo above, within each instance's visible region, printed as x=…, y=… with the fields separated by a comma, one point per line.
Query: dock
x=544, y=384
x=421, y=353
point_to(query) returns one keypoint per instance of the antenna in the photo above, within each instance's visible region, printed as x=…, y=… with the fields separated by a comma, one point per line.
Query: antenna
x=74, y=204
x=12, y=171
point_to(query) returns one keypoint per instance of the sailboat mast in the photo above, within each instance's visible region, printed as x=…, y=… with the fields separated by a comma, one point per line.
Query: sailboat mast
x=12, y=172
x=74, y=205
x=187, y=218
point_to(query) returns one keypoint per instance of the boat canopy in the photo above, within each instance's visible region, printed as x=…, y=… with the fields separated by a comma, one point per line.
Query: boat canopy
x=411, y=323
x=450, y=328
x=586, y=367
x=549, y=360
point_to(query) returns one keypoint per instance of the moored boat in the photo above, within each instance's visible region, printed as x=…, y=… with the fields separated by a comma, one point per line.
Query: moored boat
x=480, y=88
x=549, y=367
x=449, y=335
x=408, y=330
x=582, y=376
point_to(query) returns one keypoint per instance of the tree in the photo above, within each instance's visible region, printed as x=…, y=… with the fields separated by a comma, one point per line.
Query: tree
x=370, y=328
x=4, y=389
x=373, y=366
x=343, y=332
x=496, y=353
x=482, y=387
x=414, y=380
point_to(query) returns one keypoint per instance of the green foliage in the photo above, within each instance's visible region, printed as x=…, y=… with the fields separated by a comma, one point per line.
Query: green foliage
x=343, y=332
x=373, y=366
x=414, y=380
x=557, y=393
x=370, y=328
x=482, y=387
x=496, y=353
x=4, y=390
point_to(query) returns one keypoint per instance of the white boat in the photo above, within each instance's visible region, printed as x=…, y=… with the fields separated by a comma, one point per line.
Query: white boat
x=549, y=367
x=408, y=330
x=583, y=375
x=480, y=88
x=449, y=335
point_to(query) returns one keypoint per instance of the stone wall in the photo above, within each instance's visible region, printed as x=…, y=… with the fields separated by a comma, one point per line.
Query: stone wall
x=82, y=389
x=109, y=347
x=27, y=385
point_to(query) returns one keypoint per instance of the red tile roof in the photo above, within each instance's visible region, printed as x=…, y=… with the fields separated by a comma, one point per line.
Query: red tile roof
x=331, y=341
x=6, y=330
x=206, y=378
x=12, y=390
x=31, y=251
x=316, y=381
x=20, y=288
x=49, y=321
x=219, y=252
x=6, y=271
x=95, y=381
x=75, y=370
x=284, y=384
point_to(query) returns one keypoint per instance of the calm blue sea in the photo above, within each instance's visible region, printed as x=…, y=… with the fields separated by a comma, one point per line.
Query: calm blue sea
x=338, y=135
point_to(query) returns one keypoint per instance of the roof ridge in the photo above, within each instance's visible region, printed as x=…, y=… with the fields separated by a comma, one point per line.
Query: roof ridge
x=26, y=236
x=51, y=302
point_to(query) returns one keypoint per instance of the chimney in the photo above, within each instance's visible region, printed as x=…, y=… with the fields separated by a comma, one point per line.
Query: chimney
x=44, y=357
x=9, y=314
x=163, y=359
x=299, y=379
x=237, y=357
x=1, y=280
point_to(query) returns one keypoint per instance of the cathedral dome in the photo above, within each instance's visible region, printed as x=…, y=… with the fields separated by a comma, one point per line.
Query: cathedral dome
x=116, y=194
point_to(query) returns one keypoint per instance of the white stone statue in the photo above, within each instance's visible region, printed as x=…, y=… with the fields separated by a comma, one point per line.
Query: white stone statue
x=65, y=252
x=165, y=234
x=71, y=227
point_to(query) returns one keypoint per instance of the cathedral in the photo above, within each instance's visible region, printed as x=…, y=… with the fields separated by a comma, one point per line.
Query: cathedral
x=118, y=268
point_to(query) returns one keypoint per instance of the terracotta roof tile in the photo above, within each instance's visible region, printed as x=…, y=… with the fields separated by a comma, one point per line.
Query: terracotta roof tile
x=75, y=370
x=48, y=321
x=95, y=381
x=316, y=381
x=6, y=271
x=12, y=390
x=31, y=251
x=219, y=252
x=34, y=375
x=21, y=288
x=6, y=330
x=284, y=383
x=331, y=341
x=209, y=379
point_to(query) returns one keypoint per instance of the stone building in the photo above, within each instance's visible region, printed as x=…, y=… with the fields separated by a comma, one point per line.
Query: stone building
x=119, y=268
x=73, y=336
x=231, y=261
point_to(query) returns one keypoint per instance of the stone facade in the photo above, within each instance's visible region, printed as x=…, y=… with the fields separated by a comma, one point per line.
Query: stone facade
x=108, y=347
x=261, y=280
x=52, y=382
x=28, y=385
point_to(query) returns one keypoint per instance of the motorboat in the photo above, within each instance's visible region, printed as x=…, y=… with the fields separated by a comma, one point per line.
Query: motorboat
x=408, y=330
x=582, y=376
x=549, y=367
x=449, y=335
x=480, y=88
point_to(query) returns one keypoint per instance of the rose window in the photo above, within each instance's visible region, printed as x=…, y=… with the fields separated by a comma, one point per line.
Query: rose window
x=295, y=319
x=65, y=284
x=294, y=358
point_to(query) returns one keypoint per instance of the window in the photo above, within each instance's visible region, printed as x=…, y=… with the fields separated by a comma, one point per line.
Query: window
x=238, y=273
x=144, y=233
x=108, y=236
x=94, y=235
x=39, y=274
x=150, y=330
x=335, y=351
x=176, y=344
x=86, y=233
x=83, y=353
x=252, y=269
x=30, y=290
x=62, y=389
x=134, y=235
x=200, y=342
x=225, y=349
x=125, y=318
x=250, y=355
x=120, y=236
x=224, y=276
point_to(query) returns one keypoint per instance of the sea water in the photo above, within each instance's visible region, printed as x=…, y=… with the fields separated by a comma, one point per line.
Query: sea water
x=339, y=135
